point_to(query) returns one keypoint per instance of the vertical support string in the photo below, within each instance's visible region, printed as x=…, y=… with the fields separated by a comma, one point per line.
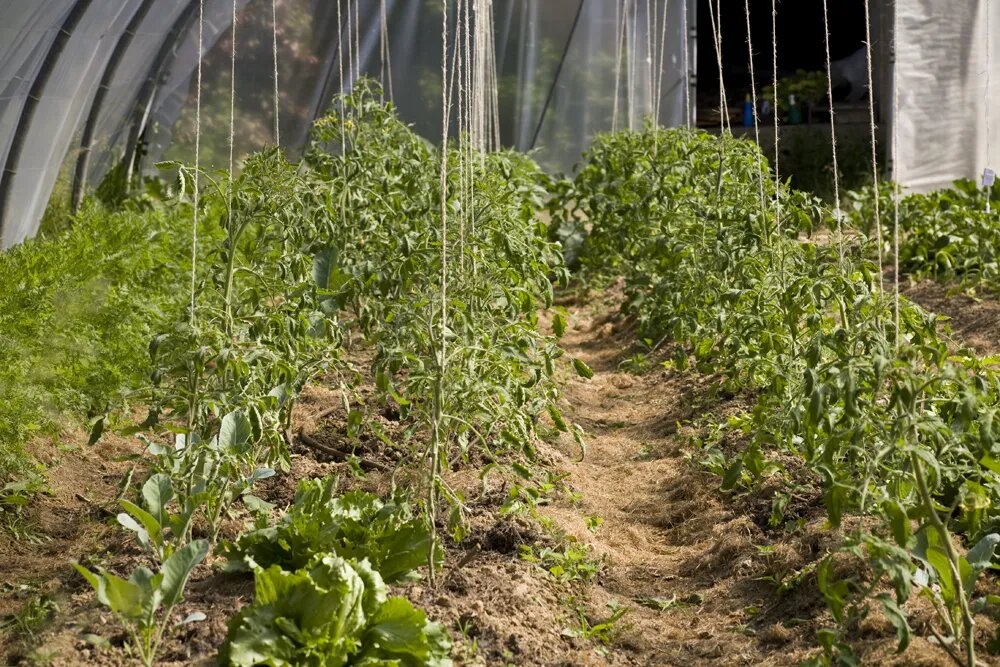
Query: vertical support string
x=987, y=105
x=340, y=67
x=895, y=178
x=661, y=61
x=197, y=163
x=717, y=39
x=837, y=213
x=437, y=407
x=386, y=57
x=650, y=58
x=686, y=64
x=494, y=75
x=756, y=119
x=630, y=53
x=871, y=123
x=232, y=113
x=229, y=193
x=350, y=45
x=274, y=49
x=357, y=40
x=621, y=10
x=774, y=84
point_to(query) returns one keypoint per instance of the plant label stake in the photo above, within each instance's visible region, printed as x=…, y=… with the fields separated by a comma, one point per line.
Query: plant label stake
x=989, y=176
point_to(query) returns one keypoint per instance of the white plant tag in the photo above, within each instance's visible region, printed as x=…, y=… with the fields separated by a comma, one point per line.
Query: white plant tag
x=988, y=177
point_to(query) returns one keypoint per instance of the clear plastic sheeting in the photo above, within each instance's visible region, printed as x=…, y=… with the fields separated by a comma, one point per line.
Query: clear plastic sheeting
x=124, y=105
x=25, y=37
x=557, y=63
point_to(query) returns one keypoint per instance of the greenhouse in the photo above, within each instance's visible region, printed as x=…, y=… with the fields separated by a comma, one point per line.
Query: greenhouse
x=499, y=332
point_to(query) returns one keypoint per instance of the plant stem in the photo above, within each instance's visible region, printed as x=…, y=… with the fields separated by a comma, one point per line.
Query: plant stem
x=435, y=457
x=953, y=559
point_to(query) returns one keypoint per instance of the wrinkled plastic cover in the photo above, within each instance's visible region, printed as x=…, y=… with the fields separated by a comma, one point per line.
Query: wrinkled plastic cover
x=941, y=73
x=531, y=37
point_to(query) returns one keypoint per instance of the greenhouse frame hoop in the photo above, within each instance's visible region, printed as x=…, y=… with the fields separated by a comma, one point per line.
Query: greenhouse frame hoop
x=31, y=102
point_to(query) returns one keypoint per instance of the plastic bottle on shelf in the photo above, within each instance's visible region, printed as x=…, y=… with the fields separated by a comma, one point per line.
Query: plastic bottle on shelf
x=794, y=112
x=748, y=112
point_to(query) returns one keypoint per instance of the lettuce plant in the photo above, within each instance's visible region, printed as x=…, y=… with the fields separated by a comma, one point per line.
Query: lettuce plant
x=333, y=613
x=354, y=525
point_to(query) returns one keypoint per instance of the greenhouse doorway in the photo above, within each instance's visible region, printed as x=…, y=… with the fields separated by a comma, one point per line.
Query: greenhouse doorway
x=803, y=110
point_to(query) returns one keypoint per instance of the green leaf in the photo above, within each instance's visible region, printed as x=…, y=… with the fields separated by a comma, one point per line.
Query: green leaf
x=157, y=492
x=122, y=597
x=582, y=369
x=323, y=264
x=148, y=531
x=397, y=630
x=236, y=430
x=559, y=325
x=897, y=617
x=96, y=430
x=899, y=521
x=734, y=473
x=557, y=418
x=178, y=568
x=980, y=557
x=255, y=504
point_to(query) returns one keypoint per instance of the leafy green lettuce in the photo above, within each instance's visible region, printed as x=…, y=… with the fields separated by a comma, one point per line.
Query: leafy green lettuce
x=333, y=613
x=354, y=525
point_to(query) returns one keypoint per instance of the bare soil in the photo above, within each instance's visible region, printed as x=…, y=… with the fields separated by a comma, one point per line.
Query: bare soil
x=697, y=569
x=974, y=321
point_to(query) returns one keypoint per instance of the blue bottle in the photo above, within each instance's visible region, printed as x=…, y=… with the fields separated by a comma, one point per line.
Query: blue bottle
x=748, y=112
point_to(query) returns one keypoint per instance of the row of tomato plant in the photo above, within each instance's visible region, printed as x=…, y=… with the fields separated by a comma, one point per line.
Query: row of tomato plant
x=949, y=234
x=891, y=423
x=347, y=243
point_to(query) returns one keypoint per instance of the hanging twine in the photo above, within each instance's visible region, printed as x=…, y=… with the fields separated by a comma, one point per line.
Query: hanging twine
x=620, y=10
x=350, y=46
x=661, y=61
x=357, y=41
x=197, y=164
x=777, y=154
x=987, y=104
x=717, y=38
x=685, y=58
x=274, y=49
x=631, y=52
x=445, y=117
x=386, y=64
x=895, y=179
x=837, y=213
x=232, y=114
x=871, y=119
x=650, y=57
x=756, y=119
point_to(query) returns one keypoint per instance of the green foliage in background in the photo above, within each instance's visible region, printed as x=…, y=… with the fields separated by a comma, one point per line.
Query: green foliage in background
x=77, y=312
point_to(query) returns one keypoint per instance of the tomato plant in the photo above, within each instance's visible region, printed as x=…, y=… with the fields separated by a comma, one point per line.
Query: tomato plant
x=891, y=424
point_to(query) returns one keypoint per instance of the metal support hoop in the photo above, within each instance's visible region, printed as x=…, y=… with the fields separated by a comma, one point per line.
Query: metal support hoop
x=87, y=140
x=31, y=103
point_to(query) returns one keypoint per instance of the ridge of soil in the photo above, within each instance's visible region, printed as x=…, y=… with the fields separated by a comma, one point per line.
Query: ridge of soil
x=974, y=321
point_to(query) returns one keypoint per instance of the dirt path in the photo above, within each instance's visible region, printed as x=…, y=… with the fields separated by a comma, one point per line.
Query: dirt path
x=670, y=536
x=976, y=322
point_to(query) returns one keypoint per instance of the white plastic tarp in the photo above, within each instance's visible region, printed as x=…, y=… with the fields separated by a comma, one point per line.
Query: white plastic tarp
x=942, y=71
